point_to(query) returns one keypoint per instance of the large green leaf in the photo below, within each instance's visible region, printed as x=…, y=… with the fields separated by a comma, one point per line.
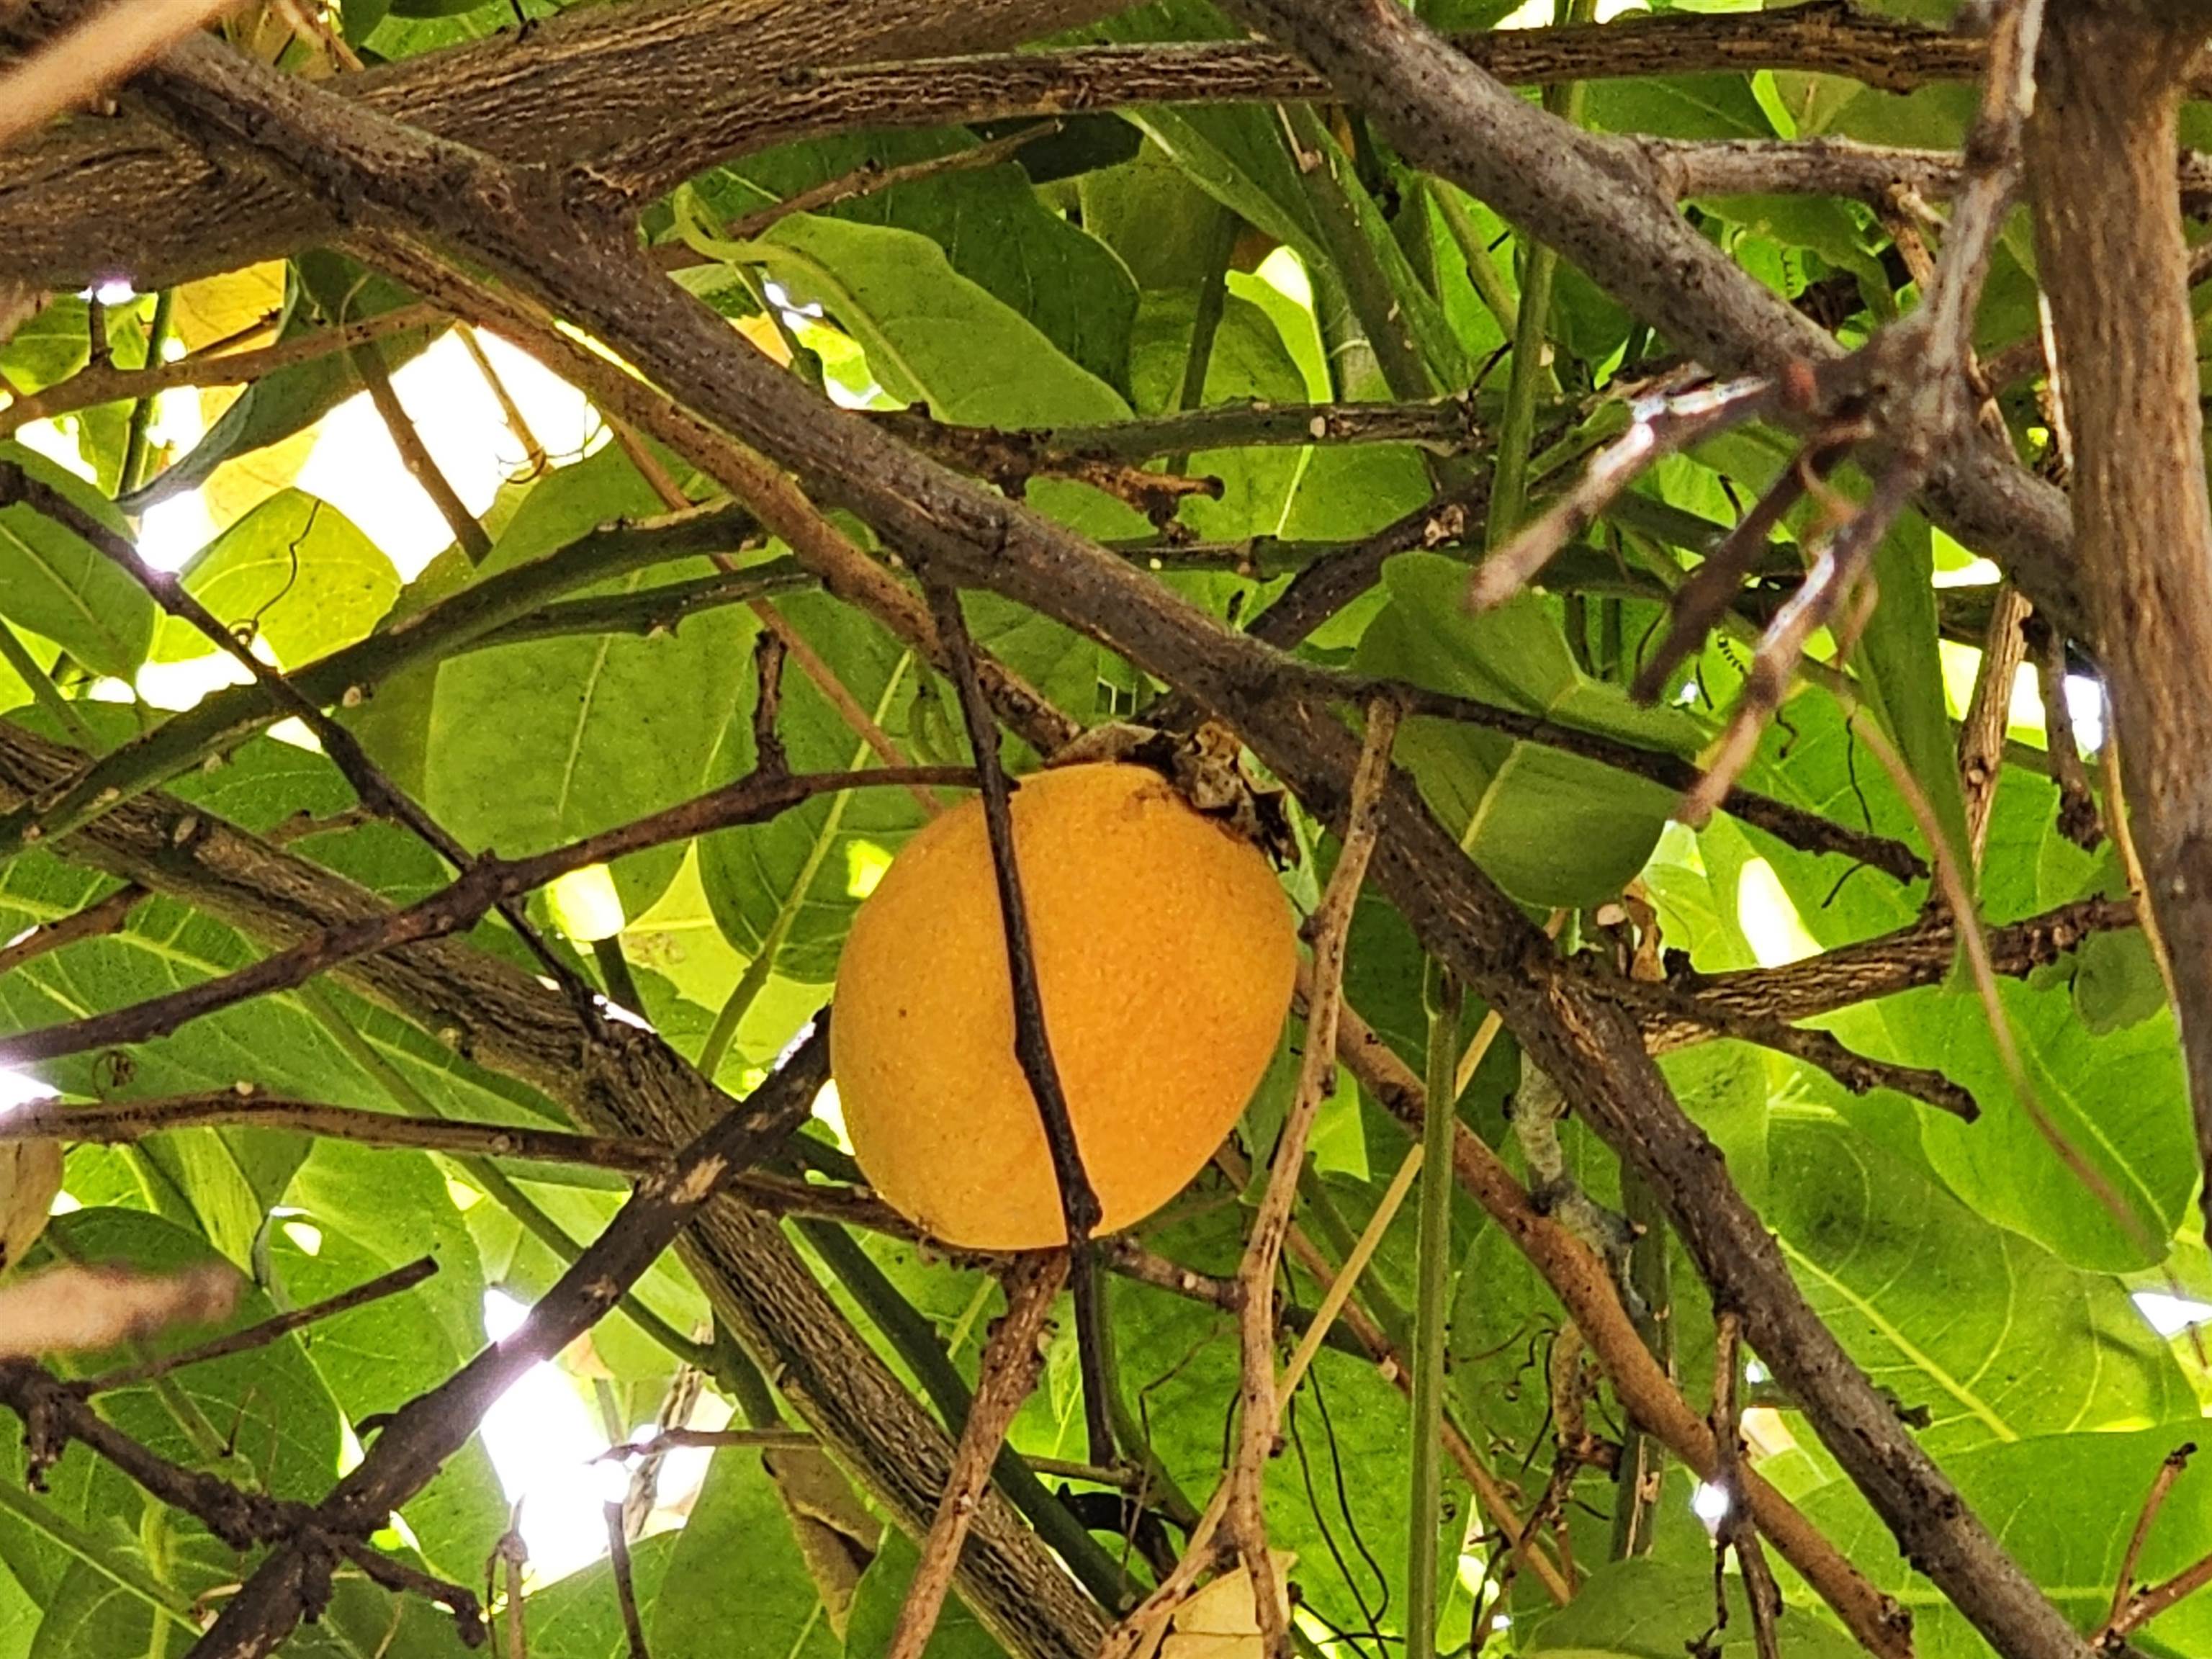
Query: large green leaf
x=994, y=229
x=738, y=1532
x=1647, y=1609
x=295, y=397
x=533, y=745
x=1951, y=1313
x=931, y=334
x=295, y=572
x=1551, y=827
x=58, y=584
x=2063, y=1506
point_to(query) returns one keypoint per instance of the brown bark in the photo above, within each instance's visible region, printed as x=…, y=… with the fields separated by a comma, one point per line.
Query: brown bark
x=2114, y=266
x=105, y=196
x=1595, y=199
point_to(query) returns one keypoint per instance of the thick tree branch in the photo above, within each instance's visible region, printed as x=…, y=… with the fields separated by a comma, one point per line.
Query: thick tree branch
x=559, y=95
x=2114, y=268
x=644, y=82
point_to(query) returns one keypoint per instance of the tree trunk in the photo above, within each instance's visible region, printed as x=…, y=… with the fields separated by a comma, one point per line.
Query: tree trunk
x=2102, y=145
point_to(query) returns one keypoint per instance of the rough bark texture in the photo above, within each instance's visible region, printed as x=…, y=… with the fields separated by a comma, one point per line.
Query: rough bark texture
x=959, y=531
x=119, y=194
x=2114, y=264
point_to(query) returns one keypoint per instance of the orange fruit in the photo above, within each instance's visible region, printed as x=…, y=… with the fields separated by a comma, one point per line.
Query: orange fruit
x=1166, y=954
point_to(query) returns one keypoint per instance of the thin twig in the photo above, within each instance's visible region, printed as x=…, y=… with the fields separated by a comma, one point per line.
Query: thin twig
x=625, y=1591
x=95, y=920
x=1234, y=1507
x=414, y=455
x=1737, y=1530
x=533, y=452
x=2078, y=819
x=2169, y=1471
x=1982, y=734
x=1012, y=1360
x=1079, y=1199
x=668, y=1440
x=1660, y=426
x=485, y=883
x=268, y=1330
x=117, y=1122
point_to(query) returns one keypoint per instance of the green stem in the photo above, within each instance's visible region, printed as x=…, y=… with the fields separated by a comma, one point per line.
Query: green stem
x=135, y=453
x=1508, y=490
x=1206, y=324
x=1366, y=285
x=1433, y=1310
x=1481, y=270
x=44, y=691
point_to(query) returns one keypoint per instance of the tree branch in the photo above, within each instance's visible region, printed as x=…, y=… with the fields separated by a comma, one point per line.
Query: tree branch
x=622, y=1081
x=116, y=1122
x=965, y=534
x=624, y=88
x=484, y=883
x=2114, y=269
x=411, y=1447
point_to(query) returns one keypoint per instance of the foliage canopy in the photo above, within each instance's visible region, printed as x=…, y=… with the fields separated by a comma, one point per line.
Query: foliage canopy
x=578, y=675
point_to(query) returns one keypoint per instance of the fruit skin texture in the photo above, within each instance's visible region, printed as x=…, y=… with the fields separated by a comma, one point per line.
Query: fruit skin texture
x=1166, y=955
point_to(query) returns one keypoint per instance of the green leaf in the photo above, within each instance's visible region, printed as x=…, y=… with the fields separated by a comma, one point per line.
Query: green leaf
x=534, y=744
x=995, y=229
x=1951, y=1313
x=1649, y=1609
x=295, y=572
x=58, y=584
x=931, y=334
x=738, y=1532
x=790, y=885
x=1903, y=673
x=2063, y=1506
x=1551, y=827
x=293, y=398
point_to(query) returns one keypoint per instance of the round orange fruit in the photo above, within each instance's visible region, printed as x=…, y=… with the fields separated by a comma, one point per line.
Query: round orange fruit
x=1166, y=954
